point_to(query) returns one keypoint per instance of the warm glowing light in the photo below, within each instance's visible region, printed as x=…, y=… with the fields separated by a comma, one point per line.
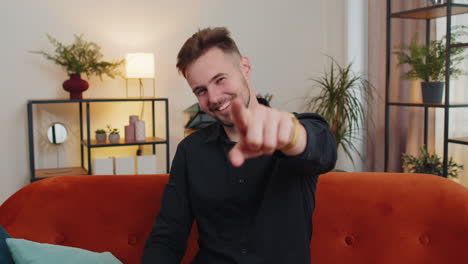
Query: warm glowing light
x=139, y=65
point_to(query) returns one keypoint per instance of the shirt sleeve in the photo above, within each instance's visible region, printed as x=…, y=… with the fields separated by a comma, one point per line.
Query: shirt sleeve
x=319, y=155
x=168, y=240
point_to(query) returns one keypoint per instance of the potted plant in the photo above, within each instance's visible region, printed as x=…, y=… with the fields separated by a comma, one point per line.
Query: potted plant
x=429, y=164
x=428, y=63
x=77, y=58
x=342, y=102
x=114, y=135
x=101, y=135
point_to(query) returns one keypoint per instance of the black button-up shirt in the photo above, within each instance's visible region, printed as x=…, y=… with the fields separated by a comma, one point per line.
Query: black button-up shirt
x=258, y=213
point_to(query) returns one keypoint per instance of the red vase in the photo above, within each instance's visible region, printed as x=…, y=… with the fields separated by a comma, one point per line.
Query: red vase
x=76, y=86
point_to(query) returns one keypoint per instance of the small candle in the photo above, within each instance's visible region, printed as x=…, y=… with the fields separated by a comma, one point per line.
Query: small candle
x=140, y=130
x=130, y=133
x=133, y=119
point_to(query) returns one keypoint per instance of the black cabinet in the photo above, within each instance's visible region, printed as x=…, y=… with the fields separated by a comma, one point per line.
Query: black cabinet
x=425, y=14
x=85, y=134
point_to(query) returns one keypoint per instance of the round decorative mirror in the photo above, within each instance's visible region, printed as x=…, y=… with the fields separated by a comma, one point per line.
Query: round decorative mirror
x=57, y=133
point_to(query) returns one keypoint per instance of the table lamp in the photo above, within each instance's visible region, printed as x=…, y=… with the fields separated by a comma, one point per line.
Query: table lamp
x=140, y=66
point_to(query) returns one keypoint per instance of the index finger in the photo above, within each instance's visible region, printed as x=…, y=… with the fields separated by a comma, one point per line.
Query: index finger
x=239, y=115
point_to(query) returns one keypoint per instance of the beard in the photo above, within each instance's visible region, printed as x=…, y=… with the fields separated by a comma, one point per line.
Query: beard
x=212, y=107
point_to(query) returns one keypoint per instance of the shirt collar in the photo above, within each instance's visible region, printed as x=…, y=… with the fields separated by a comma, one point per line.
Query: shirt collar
x=217, y=133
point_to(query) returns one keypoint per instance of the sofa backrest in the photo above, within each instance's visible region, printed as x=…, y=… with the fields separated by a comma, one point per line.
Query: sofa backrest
x=389, y=218
x=98, y=213
x=359, y=217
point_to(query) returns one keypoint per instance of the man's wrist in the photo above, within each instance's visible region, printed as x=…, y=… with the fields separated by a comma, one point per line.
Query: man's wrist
x=299, y=144
x=295, y=134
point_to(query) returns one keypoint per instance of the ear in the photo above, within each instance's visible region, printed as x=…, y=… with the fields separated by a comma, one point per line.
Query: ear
x=245, y=66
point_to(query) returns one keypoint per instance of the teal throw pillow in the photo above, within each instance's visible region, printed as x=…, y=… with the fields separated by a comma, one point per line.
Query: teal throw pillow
x=29, y=252
x=5, y=256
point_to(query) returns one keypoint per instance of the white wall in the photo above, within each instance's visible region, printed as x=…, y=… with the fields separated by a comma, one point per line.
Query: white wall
x=285, y=41
x=356, y=53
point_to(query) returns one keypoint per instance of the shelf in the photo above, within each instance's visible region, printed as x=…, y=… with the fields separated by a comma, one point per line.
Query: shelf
x=129, y=99
x=421, y=104
x=459, y=45
x=84, y=116
x=463, y=141
x=45, y=173
x=446, y=10
x=122, y=142
x=431, y=12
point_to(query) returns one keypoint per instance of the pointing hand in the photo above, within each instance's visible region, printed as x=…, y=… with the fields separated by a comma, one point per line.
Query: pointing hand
x=263, y=130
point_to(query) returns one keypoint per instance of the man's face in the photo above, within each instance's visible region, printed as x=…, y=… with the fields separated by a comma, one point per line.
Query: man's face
x=216, y=78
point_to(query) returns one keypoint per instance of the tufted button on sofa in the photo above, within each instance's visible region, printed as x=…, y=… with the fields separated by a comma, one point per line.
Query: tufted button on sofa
x=382, y=218
x=59, y=239
x=132, y=240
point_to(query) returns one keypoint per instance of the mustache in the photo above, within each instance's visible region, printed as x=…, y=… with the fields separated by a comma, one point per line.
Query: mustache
x=212, y=107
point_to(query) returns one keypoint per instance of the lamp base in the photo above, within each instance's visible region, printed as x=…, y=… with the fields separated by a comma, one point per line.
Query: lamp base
x=141, y=87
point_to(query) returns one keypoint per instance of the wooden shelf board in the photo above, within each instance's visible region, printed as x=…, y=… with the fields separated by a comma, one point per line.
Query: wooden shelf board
x=459, y=45
x=44, y=173
x=127, y=99
x=463, y=140
x=431, y=12
x=421, y=104
x=122, y=142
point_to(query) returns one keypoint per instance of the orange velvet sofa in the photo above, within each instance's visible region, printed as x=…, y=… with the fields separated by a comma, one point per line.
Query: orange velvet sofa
x=360, y=217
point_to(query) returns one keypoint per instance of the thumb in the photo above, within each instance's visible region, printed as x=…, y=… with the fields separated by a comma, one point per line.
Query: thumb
x=240, y=152
x=239, y=115
x=236, y=156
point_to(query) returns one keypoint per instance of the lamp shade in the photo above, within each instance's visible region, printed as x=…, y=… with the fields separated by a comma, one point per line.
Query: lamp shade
x=139, y=65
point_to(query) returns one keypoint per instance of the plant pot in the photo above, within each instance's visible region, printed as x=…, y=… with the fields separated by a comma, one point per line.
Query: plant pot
x=432, y=92
x=101, y=137
x=76, y=86
x=114, y=138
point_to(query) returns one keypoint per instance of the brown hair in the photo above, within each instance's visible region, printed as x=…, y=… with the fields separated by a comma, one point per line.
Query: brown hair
x=201, y=42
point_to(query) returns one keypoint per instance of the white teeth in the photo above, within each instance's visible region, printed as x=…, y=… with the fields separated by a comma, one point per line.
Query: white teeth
x=224, y=106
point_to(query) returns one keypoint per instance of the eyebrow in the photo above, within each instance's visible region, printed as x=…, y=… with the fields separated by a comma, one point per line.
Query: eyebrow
x=211, y=80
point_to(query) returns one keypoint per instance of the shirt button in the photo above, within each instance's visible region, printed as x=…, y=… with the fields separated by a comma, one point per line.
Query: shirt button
x=244, y=251
x=241, y=181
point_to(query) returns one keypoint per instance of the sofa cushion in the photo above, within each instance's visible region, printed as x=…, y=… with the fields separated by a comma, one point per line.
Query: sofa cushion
x=29, y=252
x=5, y=255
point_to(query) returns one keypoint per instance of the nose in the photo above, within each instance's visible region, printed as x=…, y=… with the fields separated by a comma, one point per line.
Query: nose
x=214, y=96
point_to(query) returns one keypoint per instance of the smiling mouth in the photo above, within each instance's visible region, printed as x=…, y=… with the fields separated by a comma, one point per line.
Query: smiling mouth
x=224, y=106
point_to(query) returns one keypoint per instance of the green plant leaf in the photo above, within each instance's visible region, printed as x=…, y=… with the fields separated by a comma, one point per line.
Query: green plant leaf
x=341, y=101
x=429, y=164
x=81, y=57
x=428, y=63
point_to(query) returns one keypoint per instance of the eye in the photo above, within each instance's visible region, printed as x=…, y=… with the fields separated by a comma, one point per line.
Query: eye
x=220, y=79
x=200, y=91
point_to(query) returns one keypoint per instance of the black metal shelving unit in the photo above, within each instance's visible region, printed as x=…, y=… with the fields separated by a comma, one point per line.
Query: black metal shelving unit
x=426, y=14
x=87, y=142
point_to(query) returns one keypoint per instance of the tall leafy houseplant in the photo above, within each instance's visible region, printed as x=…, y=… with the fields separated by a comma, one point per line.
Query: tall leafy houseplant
x=341, y=102
x=80, y=57
x=428, y=63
